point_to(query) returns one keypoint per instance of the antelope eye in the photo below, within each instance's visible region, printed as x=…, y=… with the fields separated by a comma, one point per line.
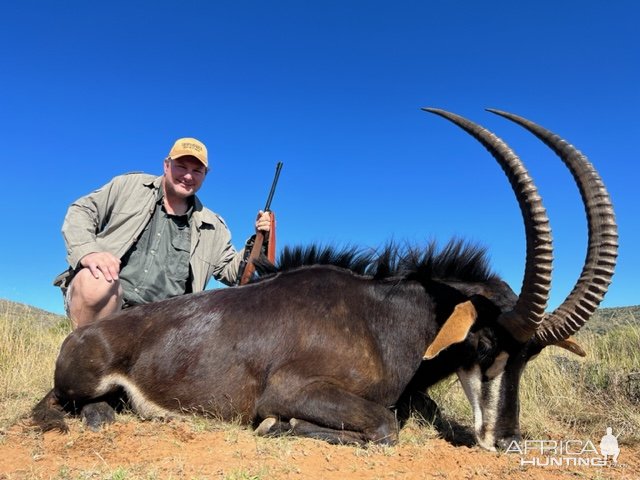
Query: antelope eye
x=486, y=347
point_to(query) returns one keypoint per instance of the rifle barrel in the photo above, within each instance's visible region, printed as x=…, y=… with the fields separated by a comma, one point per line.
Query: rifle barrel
x=273, y=187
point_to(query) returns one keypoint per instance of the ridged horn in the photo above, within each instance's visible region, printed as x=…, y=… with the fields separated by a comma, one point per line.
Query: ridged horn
x=602, y=249
x=528, y=313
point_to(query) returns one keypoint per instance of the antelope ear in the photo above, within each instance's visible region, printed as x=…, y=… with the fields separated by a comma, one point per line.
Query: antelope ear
x=454, y=330
x=572, y=346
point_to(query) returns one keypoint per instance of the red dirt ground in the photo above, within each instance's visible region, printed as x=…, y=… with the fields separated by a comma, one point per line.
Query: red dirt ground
x=136, y=449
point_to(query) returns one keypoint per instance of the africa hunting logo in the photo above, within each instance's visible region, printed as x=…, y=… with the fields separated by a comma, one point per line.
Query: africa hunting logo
x=574, y=453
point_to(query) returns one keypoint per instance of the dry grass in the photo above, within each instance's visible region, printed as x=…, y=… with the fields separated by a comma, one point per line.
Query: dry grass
x=560, y=392
x=28, y=350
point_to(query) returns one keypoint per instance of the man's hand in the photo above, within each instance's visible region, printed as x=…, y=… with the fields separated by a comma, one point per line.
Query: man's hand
x=263, y=222
x=103, y=262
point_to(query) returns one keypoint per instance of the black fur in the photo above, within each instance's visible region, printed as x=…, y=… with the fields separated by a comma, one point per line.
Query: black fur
x=456, y=261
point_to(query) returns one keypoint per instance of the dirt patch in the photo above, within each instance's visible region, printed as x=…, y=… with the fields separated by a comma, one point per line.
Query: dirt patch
x=135, y=449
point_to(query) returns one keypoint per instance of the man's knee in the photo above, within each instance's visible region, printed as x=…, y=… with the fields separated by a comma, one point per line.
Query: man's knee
x=93, y=292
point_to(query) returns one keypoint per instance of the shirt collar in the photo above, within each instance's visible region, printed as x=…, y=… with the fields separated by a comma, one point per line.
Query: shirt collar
x=198, y=212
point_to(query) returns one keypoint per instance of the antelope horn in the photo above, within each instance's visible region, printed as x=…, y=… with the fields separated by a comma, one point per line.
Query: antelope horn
x=602, y=249
x=528, y=313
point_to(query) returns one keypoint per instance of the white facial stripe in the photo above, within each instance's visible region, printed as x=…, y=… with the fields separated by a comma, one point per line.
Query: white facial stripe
x=484, y=399
x=490, y=400
x=140, y=404
x=471, y=381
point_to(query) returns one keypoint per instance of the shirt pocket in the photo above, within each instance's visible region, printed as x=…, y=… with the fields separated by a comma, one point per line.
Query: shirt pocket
x=179, y=266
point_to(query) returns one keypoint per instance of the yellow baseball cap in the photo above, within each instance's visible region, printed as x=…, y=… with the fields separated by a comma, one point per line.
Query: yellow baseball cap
x=189, y=147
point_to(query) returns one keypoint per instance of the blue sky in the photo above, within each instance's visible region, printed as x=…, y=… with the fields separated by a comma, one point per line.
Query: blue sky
x=333, y=89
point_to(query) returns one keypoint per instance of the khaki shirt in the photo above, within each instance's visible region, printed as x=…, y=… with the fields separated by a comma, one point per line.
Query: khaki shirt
x=113, y=217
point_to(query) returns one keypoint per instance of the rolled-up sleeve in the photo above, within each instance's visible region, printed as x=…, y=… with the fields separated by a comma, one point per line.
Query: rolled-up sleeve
x=83, y=221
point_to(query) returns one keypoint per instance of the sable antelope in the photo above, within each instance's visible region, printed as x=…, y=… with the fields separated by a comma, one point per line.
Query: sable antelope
x=324, y=351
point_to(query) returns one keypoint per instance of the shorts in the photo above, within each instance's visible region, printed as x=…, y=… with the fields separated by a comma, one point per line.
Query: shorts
x=66, y=294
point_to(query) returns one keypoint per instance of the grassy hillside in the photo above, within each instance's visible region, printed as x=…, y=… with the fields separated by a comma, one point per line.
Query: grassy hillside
x=560, y=393
x=30, y=339
x=606, y=319
x=27, y=313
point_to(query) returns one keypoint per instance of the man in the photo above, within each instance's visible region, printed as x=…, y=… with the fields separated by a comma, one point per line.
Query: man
x=142, y=238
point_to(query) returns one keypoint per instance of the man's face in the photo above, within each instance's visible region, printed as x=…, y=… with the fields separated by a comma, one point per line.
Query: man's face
x=183, y=176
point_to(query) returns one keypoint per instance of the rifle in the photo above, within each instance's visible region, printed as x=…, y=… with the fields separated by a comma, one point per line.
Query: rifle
x=249, y=267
